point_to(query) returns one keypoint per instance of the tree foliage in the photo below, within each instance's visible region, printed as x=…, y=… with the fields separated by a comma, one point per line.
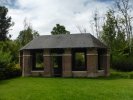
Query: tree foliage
x=9, y=59
x=5, y=23
x=117, y=34
x=113, y=33
x=59, y=29
x=125, y=9
x=109, y=32
x=26, y=35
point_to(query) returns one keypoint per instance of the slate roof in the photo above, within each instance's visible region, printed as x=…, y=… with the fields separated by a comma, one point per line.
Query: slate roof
x=64, y=41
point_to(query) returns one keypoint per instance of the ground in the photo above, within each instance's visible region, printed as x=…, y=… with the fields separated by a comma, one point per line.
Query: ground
x=30, y=88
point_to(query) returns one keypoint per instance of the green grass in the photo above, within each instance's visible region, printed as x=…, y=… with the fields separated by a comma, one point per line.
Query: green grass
x=30, y=88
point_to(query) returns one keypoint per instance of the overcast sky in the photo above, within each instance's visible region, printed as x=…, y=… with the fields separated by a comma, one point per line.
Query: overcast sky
x=44, y=14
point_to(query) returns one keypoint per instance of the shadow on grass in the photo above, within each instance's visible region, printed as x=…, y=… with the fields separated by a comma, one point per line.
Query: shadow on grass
x=113, y=76
x=6, y=81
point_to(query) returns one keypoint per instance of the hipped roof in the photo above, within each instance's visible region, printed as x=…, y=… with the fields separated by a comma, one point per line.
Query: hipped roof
x=64, y=41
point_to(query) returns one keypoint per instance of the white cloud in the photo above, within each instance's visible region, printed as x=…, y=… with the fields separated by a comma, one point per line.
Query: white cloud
x=44, y=14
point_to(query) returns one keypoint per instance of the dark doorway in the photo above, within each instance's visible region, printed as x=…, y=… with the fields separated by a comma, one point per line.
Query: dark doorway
x=37, y=60
x=57, y=62
x=79, y=59
x=57, y=65
x=100, y=59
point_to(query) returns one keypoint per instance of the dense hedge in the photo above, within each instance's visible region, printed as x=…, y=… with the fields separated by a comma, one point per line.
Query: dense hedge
x=7, y=67
x=9, y=72
x=123, y=63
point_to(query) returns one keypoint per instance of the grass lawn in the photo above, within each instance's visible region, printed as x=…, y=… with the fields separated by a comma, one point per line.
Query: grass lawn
x=30, y=88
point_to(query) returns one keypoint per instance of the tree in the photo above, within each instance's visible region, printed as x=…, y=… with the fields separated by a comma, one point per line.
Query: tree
x=9, y=59
x=59, y=29
x=113, y=34
x=12, y=47
x=27, y=34
x=121, y=42
x=81, y=29
x=109, y=33
x=125, y=9
x=96, y=22
x=5, y=23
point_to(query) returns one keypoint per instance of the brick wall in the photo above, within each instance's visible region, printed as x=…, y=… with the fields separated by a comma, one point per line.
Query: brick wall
x=47, y=63
x=27, y=63
x=92, y=62
x=66, y=63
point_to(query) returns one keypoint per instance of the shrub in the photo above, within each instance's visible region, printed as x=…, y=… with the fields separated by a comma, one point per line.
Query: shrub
x=131, y=75
x=118, y=74
x=7, y=68
x=123, y=63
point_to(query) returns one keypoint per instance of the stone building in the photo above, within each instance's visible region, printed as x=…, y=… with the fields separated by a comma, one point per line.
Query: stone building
x=66, y=55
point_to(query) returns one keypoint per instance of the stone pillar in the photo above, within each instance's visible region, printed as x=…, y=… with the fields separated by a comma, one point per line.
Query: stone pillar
x=92, y=62
x=105, y=62
x=47, y=63
x=27, y=63
x=67, y=63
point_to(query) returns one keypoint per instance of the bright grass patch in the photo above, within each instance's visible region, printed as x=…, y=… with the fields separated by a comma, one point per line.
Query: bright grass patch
x=33, y=88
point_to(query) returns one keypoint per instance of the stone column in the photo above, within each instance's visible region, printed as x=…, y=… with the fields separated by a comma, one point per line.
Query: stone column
x=27, y=63
x=92, y=62
x=67, y=63
x=105, y=62
x=47, y=63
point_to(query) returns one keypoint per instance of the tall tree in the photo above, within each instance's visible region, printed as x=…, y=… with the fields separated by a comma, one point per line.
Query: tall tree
x=59, y=29
x=113, y=33
x=81, y=29
x=96, y=22
x=27, y=34
x=5, y=23
x=109, y=32
x=125, y=9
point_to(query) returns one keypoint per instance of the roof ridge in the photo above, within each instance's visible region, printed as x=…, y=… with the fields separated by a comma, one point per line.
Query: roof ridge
x=67, y=34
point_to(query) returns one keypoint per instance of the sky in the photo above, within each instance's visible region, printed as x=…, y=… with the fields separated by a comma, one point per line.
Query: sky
x=43, y=15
